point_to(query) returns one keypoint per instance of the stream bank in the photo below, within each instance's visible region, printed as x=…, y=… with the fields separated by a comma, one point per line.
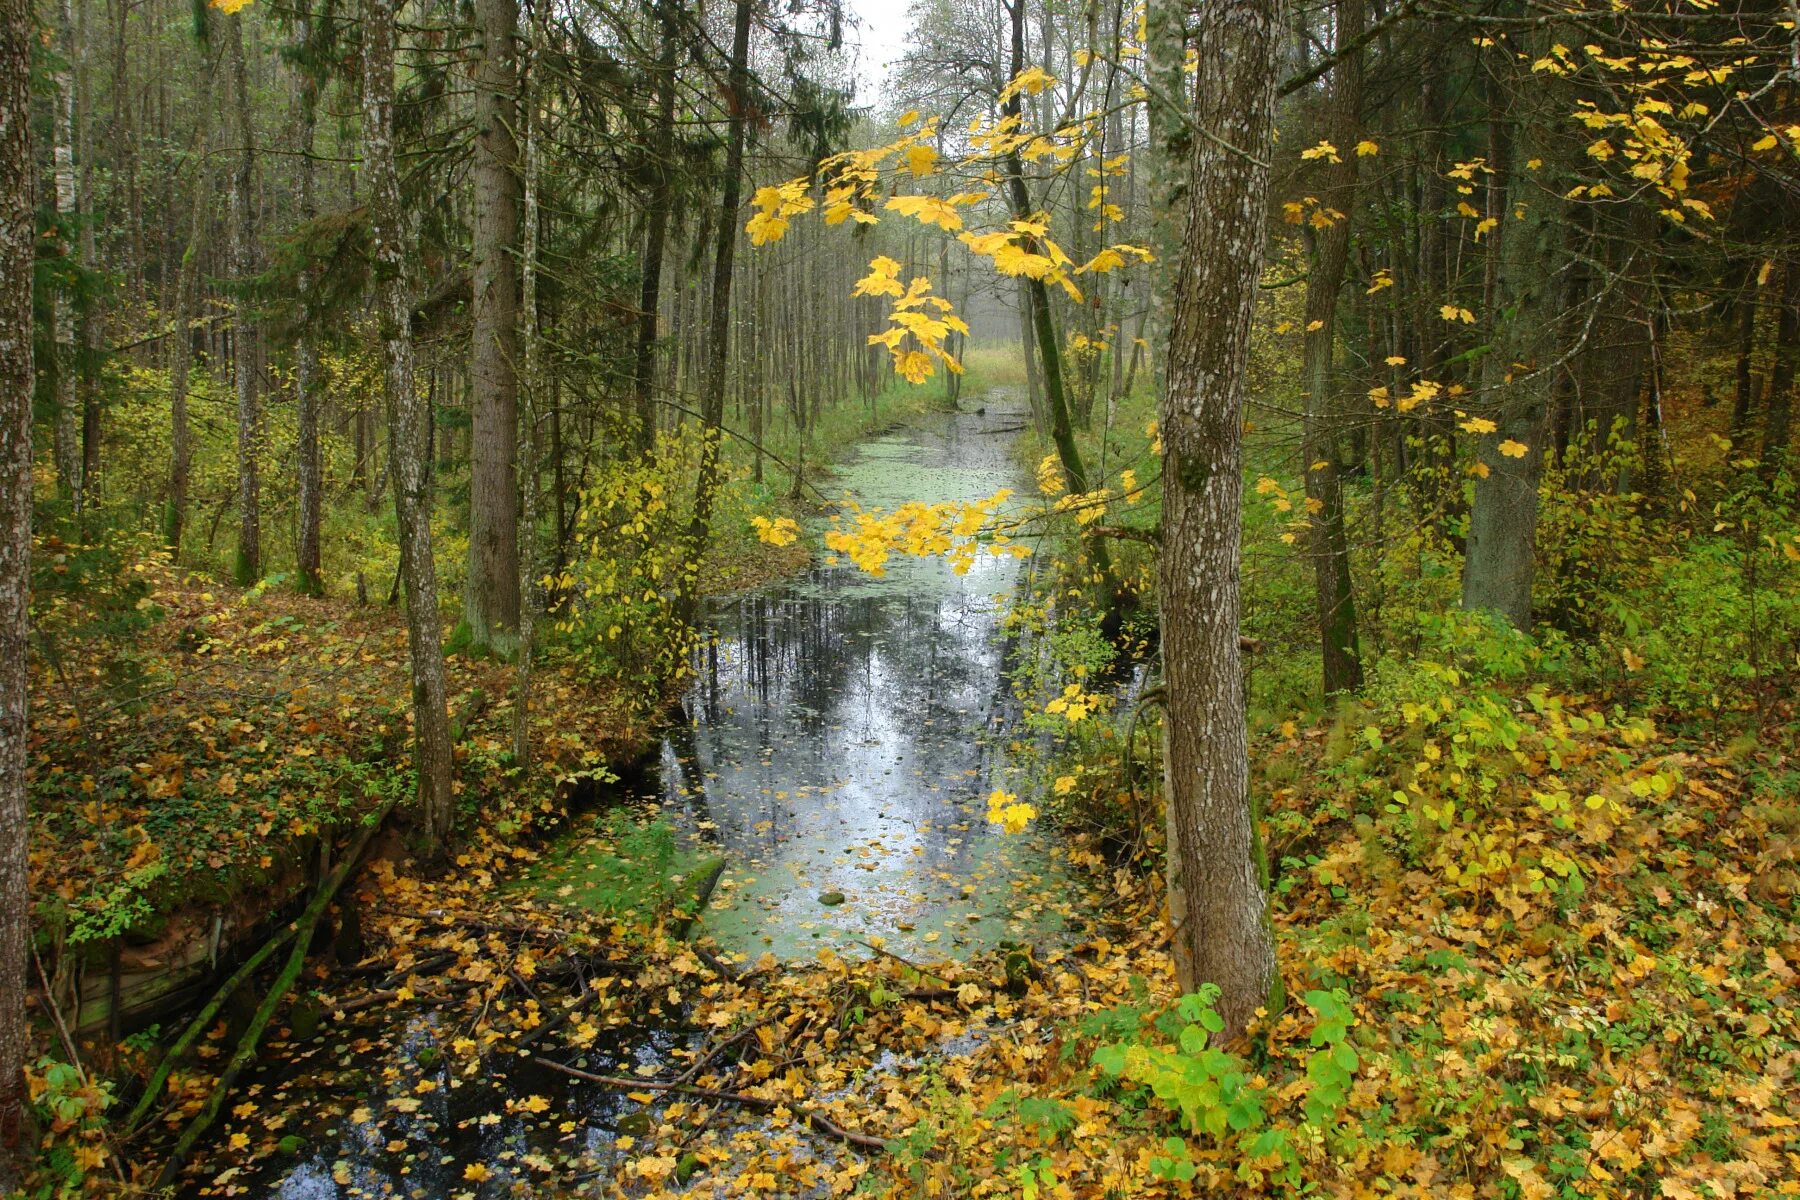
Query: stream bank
x=838, y=742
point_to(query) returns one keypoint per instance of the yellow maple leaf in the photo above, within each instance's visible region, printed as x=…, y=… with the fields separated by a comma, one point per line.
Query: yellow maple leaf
x=1513, y=449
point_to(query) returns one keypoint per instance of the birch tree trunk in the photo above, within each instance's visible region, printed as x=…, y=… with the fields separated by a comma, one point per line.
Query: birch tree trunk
x=17, y=28
x=408, y=428
x=1210, y=145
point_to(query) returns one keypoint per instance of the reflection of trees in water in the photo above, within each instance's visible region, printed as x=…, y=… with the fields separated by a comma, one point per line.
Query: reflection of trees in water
x=883, y=688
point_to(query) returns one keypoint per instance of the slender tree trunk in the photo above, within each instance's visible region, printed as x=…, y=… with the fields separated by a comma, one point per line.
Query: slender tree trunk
x=531, y=598
x=1028, y=348
x=1056, y=400
x=307, y=565
x=408, y=448
x=65, y=436
x=712, y=400
x=491, y=597
x=93, y=319
x=187, y=286
x=1210, y=198
x=247, y=568
x=1327, y=543
x=17, y=374
x=1500, y=558
x=1777, y=424
x=656, y=222
x=1744, y=394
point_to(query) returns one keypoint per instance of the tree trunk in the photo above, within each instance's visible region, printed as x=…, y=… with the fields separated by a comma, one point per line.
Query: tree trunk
x=307, y=566
x=531, y=599
x=65, y=437
x=17, y=374
x=247, y=568
x=491, y=597
x=656, y=220
x=1521, y=311
x=1743, y=394
x=1778, y=422
x=1210, y=198
x=1327, y=543
x=93, y=319
x=1049, y=348
x=407, y=429
x=187, y=286
x=712, y=400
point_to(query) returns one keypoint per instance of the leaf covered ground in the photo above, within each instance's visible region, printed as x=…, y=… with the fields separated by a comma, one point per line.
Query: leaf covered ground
x=196, y=754
x=1532, y=945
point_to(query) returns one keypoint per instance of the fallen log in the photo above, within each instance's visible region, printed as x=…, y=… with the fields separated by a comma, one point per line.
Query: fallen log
x=245, y=1051
x=198, y=1026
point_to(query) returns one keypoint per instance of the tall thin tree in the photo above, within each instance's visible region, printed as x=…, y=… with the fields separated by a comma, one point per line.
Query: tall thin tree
x=1328, y=544
x=409, y=438
x=307, y=566
x=247, y=568
x=187, y=289
x=491, y=591
x=1516, y=374
x=17, y=373
x=656, y=222
x=712, y=396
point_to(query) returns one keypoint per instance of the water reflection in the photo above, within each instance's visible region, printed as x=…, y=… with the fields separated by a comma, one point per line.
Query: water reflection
x=842, y=729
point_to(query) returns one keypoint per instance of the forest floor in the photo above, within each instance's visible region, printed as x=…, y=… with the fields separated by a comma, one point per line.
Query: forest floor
x=1601, y=1002
x=1534, y=942
x=259, y=720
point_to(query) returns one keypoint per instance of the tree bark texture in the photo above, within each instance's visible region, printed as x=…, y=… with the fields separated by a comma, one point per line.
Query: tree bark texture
x=17, y=376
x=491, y=593
x=1210, y=145
x=248, y=566
x=408, y=429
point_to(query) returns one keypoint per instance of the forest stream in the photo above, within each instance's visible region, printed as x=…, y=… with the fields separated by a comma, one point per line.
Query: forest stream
x=836, y=749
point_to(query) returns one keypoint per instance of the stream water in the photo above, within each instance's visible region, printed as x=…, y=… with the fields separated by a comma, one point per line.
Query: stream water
x=840, y=739
x=844, y=730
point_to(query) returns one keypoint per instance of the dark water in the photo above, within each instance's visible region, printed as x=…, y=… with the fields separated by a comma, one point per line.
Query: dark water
x=841, y=737
x=844, y=731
